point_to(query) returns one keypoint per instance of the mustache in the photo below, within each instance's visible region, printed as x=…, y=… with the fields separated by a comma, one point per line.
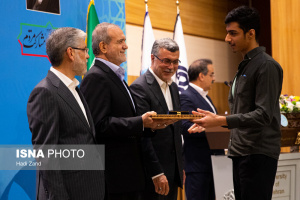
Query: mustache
x=169, y=70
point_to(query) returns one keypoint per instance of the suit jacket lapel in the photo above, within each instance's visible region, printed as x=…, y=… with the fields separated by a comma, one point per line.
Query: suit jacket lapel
x=212, y=104
x=116, y=80
x=155, y=88
x=131, y=97
x=203, y=101
x=88, y=113
x=68, y=97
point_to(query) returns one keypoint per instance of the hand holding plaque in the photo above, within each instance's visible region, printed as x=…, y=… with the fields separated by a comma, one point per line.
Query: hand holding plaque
x=154, y=124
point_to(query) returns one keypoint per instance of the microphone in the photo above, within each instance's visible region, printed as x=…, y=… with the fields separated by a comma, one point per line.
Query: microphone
x=228, y=84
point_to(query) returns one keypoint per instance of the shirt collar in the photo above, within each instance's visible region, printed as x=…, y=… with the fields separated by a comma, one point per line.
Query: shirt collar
x=254, y=52
x=160, y=82
x=199, y=89
x=119, y=71
x=66, y=80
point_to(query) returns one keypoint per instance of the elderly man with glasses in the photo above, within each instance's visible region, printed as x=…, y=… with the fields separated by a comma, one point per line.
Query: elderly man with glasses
x=155, y=91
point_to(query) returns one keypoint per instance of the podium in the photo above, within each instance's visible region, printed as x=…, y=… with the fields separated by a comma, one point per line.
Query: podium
x=218, y=137
x=290, y=137
x=287, y=179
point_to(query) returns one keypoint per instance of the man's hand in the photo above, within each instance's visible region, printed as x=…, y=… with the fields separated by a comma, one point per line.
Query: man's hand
x=210, y=119
x=147, y=119
x=161, y=185
x=195, y=128
x=155, y=123
x=162, y=123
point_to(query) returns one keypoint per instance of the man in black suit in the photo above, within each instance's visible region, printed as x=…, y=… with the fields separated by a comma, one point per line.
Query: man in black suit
x=114, y=113
x=155, y=91
x=199, y=184
x=58, y=114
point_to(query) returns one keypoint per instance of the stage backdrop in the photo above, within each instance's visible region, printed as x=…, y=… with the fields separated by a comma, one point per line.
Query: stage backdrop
x=24, y=29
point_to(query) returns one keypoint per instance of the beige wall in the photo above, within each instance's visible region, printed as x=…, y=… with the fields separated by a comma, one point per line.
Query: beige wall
x=224, y=60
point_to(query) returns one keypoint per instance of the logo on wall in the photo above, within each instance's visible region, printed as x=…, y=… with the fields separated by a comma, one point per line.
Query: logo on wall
x=32, y=39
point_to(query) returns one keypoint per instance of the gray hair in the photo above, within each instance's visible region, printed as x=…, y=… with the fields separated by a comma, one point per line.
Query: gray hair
x=165, y=43
x=59, y=40
x=197, y=67
x=100, y=34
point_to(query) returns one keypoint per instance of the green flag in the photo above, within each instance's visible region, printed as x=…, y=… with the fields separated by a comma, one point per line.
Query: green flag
x=92, y=21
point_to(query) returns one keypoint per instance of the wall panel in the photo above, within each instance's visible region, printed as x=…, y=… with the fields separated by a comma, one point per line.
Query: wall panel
x=285, y=25
x=201, y=18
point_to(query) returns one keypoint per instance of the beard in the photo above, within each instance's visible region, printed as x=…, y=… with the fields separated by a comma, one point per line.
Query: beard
x=79, y=66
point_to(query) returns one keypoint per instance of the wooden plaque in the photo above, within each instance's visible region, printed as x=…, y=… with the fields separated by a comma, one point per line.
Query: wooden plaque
x=172, y=116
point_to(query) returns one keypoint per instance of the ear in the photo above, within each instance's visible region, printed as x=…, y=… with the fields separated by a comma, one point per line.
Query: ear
x=103, y=47
x=152, y=58
x=70, y=53
x=201, y=76
x=251, y=34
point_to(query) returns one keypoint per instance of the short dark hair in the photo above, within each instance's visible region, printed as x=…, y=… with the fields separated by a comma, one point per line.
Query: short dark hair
x=247, y=18
x=59, y=40
x=197, y=67
x=164, y=43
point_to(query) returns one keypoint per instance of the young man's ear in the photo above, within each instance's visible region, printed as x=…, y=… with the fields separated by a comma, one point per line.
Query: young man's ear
x=251, y=34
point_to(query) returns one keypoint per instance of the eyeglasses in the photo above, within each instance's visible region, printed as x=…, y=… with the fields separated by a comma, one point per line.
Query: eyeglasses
x=82, y=49
x=167, y=61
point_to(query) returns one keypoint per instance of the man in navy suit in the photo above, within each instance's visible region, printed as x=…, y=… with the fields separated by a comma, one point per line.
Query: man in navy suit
x=58, y=114
x=199, y=182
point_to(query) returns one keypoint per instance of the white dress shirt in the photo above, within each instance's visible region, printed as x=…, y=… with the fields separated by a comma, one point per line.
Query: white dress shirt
x=164, y=86
x=71, y=85
x=203, y=94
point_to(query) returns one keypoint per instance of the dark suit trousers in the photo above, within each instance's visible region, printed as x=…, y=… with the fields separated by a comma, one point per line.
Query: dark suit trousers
x=253, y=177
x=199, y=186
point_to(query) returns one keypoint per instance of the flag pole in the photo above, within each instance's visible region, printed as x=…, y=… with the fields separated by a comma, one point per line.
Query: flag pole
x=177, y=4
x=146, y=5
x=147, y=41
x=181, y=76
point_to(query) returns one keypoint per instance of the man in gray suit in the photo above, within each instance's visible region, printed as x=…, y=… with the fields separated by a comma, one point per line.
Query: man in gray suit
x=155, y=91
x=58, y=114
